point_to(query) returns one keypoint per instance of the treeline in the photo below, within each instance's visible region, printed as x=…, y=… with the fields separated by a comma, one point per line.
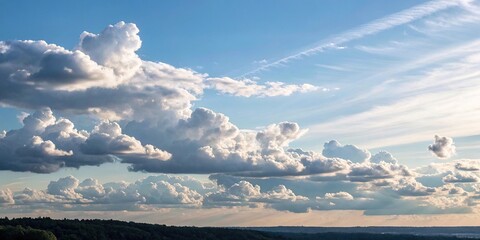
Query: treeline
x=118, y=230
x=361, y=236
x=49, y=229
x=22, y=233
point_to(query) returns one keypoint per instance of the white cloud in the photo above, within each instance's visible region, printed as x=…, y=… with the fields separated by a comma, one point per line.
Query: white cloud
x=383, y=156
x=465, y=165
x=366, y=172
x=107, y=138
x=6, y=197
x=461, y=177
x=244, y=193
x=153, y=100
x=348, y=152
x=442, y=147
x=70, y=194
x=45, y=144
x=114, y=47
x=410, y=187
x=339, y=195
x=249, y=88
x=64, y=187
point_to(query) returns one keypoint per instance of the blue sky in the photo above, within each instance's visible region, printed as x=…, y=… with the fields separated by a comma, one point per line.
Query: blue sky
x=214, y=100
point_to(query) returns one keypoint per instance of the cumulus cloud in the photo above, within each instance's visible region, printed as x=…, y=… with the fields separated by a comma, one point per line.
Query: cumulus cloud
x=148, y=121
x=114, y=47
x=442, y=147
x=339, y=195
x=243, y=193
x=348, y=152
x=383, y=156
x=45, y=144
x=249, y=88
x=208, y=142
x=404, y=193
x=107, y=138
x=366, y=172
x=69, y=193
x=204, y=143
x=410, y=187
x=467, y=165
x=105, y=66
x=64, y=187
x=461, y=177
x=36, y=63
x=6, y=197
x=105, y=77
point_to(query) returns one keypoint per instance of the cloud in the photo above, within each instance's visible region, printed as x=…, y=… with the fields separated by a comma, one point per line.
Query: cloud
x=36, y=147
x=410, y=187
x=383, y=156
x=461, y=177
x=243, y=193
x=105, y=66
x=348, y=152
x=339, y=195
x=69, y=193
x=442, y=147
x=378, y=25
x=204, y=143
x=6, y=197
x=64, y=187
x=472, y=165
x=48, y=65
x=208, y=142
x=114, y=47
x=249, y=88
x=45, y=144
x=107, y=138
x=366, y=172
x=397, y=194
x=104, y=77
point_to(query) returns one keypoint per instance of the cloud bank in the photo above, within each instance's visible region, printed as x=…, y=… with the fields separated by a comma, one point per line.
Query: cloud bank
x=146, y=120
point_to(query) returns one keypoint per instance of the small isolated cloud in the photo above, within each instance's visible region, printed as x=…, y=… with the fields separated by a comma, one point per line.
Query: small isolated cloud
x=260, y=62
x=353, y=153
x=339, y=195
x=442, y=147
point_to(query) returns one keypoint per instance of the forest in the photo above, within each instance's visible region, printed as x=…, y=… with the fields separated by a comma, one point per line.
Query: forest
x=51, y=229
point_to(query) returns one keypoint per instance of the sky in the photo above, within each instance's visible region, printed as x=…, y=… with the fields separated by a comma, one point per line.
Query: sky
x=241, y=113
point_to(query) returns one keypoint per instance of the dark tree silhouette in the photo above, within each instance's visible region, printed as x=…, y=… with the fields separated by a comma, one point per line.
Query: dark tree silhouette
x=48, y=229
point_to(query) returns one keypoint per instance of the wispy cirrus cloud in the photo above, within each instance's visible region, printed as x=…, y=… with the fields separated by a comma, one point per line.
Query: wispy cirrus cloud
x=390, y=21
x=432, y=90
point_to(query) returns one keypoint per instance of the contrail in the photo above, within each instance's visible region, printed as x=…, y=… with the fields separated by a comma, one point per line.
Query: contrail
x=373, y=27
